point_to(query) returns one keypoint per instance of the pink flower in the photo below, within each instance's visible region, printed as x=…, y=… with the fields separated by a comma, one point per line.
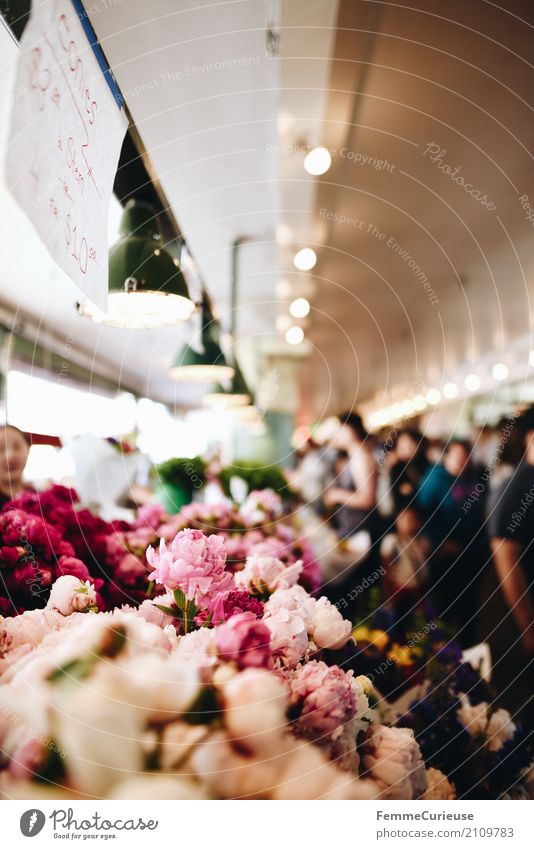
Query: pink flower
x=288, y=615
x=323, y=698
x=72, y=566
x=194, y=564
x=240, y=601
x=263, y=575
x=245, y=640
x=150, y=515
x=150, y=611
x=259, y=505
x=130, y=569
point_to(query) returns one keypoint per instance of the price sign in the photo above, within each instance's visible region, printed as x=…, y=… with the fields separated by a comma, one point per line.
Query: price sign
x=64, y=144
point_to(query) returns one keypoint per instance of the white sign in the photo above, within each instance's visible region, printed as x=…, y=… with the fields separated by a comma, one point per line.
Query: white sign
x=64, y=144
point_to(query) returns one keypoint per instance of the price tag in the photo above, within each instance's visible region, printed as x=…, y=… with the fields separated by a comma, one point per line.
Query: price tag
x=64, y=144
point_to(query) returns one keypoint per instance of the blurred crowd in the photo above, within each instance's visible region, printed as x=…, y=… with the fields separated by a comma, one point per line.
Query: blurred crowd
x=449, y=522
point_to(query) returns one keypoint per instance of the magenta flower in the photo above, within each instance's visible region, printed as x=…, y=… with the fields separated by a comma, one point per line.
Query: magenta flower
x=244, y=640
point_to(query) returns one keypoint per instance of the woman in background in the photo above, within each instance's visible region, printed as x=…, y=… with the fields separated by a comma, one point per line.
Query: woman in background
x=353, y=494
x=409, y=465
x=14, y=450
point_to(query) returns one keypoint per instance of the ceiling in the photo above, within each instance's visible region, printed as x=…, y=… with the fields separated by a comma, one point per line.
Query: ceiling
x=226, y=115
x=406, y=75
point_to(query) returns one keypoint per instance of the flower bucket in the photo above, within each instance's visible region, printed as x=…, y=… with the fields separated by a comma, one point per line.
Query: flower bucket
x=172, y=496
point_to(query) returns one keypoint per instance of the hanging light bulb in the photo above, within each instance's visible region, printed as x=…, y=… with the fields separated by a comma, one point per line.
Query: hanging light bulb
x=207, y=365
x=146, y=286
x=318, y=161
x=305, y=259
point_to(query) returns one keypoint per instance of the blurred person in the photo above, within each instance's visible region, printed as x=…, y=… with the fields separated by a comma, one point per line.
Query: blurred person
x=409, y=464
x=309, y=478
x=511, y=522
x=352, y=495
x=14, y=450
x=452, y=501
x=404, y=554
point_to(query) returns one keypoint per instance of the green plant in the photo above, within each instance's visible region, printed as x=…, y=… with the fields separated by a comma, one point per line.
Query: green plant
x=188, y=473
x=256, y=476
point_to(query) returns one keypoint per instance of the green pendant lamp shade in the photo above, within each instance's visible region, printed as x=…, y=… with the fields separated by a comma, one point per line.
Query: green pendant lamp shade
x=236, y=395
x=208, y=364
x=146, y=286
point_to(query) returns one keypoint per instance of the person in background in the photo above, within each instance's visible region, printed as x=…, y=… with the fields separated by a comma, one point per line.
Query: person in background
x=409, y=465
x=404, y=555
x=311, y=473
x=14, y=450
x=453, y=506
x=352, y=496
x=511, y=523
x=508, y=603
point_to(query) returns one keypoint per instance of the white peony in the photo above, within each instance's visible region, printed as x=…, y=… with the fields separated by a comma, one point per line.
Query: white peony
x=496, y=727
x=70, y=595
x=255, y=704
x=328, y=628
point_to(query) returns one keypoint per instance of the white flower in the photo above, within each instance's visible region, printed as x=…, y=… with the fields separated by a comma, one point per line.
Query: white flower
x=231, y=774
x=255, y=703
x=497, y=728
x=70, y=595
x=27, y=629
x=267, y=574
x=393, y=759
x=328, y=628
x=439, y=787
x=287, y=617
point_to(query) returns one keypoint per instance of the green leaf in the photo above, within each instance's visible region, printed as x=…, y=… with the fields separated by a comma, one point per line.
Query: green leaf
x=170, y=611
x=180, y=599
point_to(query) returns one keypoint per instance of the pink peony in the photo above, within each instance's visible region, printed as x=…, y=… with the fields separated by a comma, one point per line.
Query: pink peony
x=129, y=570
x=322, y=697
x=288, y=617
x=72, y=566
x=150, y=515
x=240, y=601
x=261, y=505
x=245, y=640
x=263, y=575
x=194, y=564
x=150, y=611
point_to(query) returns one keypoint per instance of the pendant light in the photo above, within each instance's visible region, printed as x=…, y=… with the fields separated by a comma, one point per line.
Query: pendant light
x=207, y=364
x=237, y=394
x=146, y=286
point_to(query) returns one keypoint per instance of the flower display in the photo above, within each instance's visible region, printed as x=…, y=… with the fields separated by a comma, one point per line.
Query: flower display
x=220, y=680
x=461, y=733
x=200, y=715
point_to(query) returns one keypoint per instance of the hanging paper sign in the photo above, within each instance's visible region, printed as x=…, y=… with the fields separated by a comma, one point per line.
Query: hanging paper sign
x=65, y=139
